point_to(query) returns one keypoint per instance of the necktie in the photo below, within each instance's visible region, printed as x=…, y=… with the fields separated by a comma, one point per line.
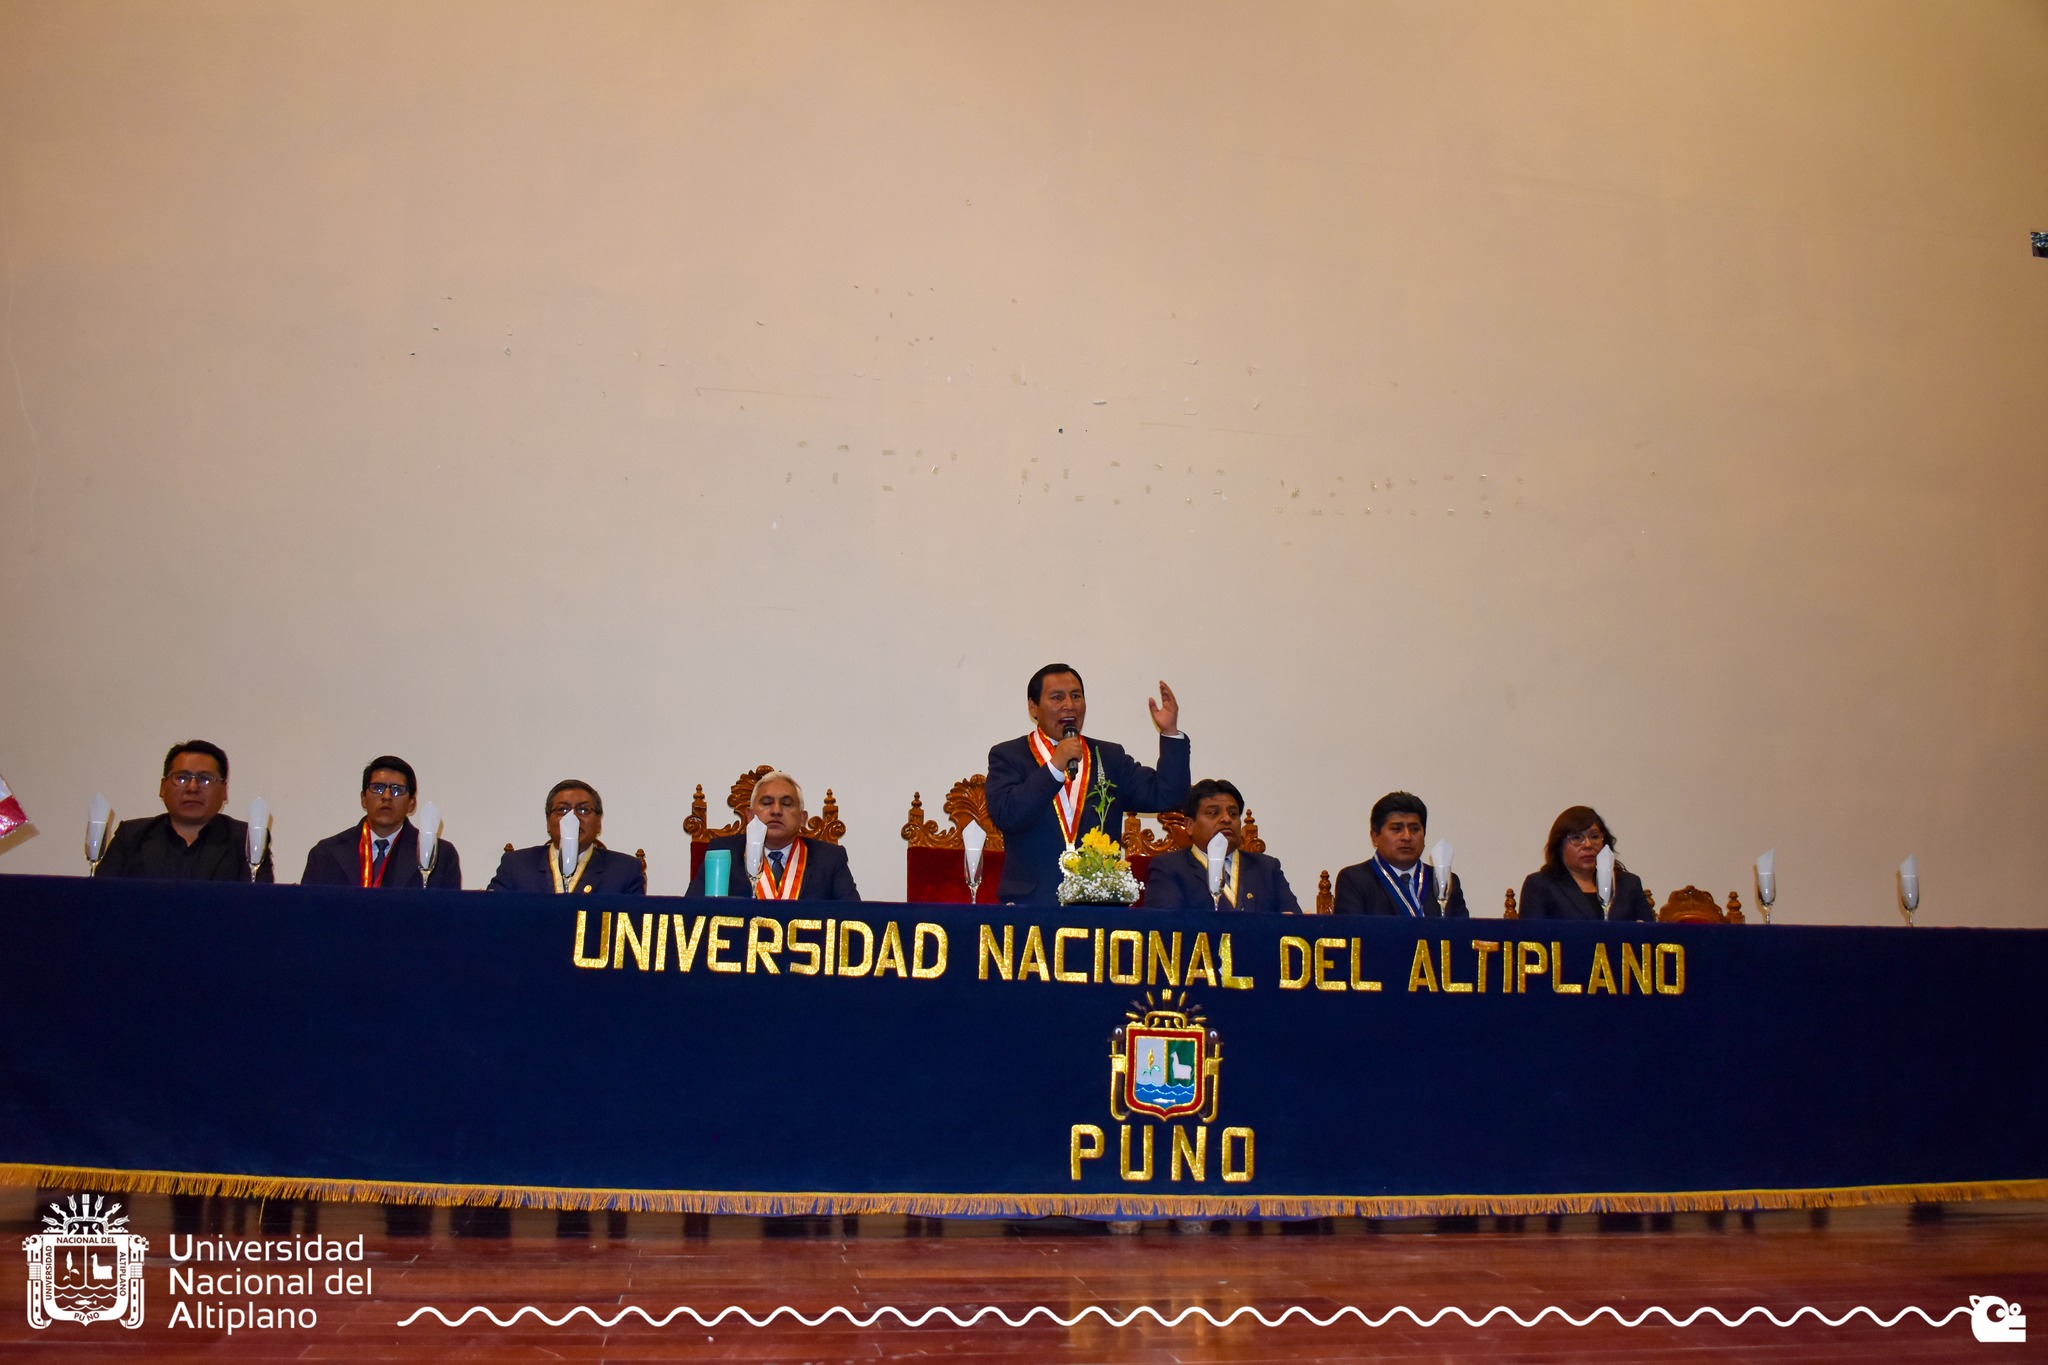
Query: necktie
x=379, y=848
x=1408, y=884
x=775, y=857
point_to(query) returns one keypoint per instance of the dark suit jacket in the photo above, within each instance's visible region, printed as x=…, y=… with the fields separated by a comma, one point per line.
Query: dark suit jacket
x=338, y=861
x=827, y=877
x=1361, y=892
x=1175, y=881
x=526, y=869
x=151, y=847
x=1021, y=794
x=1548, y=895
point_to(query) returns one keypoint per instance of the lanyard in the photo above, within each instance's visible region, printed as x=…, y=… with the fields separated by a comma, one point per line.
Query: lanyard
x=1411, y=900
x=766, y=888
x=555, y=867
x=1068, y=801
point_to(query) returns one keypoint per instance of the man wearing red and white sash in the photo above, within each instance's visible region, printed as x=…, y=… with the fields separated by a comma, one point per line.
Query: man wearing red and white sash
x=382, y=851
x=792, y=867
x=1041, y=786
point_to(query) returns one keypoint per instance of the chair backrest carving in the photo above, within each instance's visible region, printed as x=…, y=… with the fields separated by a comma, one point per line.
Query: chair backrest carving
x=1690, y=905
x=1177, y=833
x=825, y=825
x=968, y=800
x=1326, y=899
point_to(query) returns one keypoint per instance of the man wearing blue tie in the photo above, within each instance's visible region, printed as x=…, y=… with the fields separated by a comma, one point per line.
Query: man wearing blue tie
x=1395, y=880
x=383, y=849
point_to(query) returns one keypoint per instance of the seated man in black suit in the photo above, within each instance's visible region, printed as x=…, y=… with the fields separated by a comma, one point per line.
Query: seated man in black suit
x=1567, y=885
x=1395, y=880
x=191, y=840
x=1252, y=881
x=792, y=868
x=571, y=804
x=383, y=848
x=1041, y=787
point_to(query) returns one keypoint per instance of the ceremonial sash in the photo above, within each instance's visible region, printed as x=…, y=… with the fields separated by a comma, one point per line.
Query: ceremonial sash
x=376, y=879
x=766, y=888
x=1230, y=877
x=1402, y=897
x=555, y=869
x=1067, y=801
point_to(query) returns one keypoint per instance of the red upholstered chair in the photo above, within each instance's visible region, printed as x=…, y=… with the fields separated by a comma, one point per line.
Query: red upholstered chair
x=825, y=825
x=935, y=859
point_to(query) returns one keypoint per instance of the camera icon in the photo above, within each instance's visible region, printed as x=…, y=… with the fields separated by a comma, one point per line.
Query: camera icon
x=1993, y=1319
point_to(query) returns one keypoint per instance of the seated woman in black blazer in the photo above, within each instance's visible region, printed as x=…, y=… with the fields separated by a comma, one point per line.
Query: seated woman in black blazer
x=1565, y=886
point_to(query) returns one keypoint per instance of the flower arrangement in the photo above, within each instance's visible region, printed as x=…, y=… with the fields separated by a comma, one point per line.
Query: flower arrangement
x=1096, y=871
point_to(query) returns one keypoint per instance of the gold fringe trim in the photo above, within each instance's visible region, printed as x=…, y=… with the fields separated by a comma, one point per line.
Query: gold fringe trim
x=1002, y=1205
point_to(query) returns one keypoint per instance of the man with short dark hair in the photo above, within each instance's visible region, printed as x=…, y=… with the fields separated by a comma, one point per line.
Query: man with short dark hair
x=574, y=810
x=1395, y=880
x=1251, y=881
x=382, y=850
x=191, y=840
x=793, y=868
x=1042, y=788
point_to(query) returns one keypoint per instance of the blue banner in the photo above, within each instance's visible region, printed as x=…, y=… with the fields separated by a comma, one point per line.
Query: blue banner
x=713, y=1055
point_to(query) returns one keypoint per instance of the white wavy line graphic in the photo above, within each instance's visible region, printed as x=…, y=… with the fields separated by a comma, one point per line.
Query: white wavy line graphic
x=1109, y=1319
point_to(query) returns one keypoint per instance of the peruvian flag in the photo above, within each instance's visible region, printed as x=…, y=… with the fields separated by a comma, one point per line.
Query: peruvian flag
x=11, y=816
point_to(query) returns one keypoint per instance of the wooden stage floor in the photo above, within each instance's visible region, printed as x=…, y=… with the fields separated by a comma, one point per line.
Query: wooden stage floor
x=1884, y=1259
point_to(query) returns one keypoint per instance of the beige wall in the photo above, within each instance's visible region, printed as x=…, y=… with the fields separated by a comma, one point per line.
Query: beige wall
x=1640, y=404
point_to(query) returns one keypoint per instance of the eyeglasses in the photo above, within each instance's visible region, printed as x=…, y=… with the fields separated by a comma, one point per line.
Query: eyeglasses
x=578, y=811
x=388, y=789
x=1587, y=838
x=190, y=779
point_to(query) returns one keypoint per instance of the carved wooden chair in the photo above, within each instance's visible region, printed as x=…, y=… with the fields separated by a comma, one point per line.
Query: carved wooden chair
x=825, y=825
x=1326, y=899
x=935, y=858
x=1690, y=905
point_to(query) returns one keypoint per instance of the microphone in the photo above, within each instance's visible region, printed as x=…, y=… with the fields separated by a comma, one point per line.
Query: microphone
x=1068, y=731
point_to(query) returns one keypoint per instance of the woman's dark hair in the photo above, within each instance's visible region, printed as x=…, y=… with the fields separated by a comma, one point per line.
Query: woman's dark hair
x=1570, y=821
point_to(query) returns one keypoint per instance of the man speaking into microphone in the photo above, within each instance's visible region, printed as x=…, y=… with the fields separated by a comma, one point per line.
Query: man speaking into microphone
x=1042, y=786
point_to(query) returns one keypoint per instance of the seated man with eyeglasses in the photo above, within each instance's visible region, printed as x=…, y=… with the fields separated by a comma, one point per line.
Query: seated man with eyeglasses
x=574, y=810
x=191, y=841
x=382, y=850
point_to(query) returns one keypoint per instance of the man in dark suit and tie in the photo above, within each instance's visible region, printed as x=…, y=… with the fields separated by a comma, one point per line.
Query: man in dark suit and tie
x=574, y=810
x=383, y=849
x=1251, y=881
x=1395, y=880
x=1042, y=787
x=793, y=868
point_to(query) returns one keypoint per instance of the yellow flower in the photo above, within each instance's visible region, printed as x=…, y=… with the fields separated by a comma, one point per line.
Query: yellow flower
x=1101, y=843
